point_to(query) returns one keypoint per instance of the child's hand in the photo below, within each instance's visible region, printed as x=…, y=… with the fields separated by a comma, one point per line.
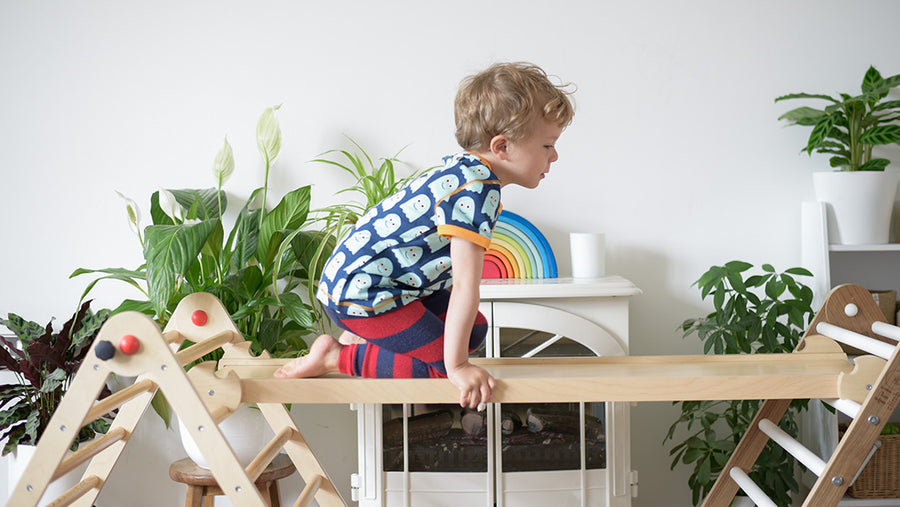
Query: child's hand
x=476, y=386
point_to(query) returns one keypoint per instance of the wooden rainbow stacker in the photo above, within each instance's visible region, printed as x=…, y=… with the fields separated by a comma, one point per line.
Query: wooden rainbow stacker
x=131, y=344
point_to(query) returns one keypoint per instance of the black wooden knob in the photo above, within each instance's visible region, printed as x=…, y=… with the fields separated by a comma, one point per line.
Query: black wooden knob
x=105, y=350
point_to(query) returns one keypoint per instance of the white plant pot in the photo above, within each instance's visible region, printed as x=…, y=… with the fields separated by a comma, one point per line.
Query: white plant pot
x=860, y=204
x=20, y=458
x=245, y=430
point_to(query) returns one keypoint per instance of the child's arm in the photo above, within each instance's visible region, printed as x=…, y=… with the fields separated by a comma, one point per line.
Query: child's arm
x=475, y=384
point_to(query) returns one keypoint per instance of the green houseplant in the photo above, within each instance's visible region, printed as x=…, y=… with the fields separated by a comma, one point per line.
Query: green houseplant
x=256, y=269
x=851, y=125
x=753, y=313
x=860, y=193
x=44, y=365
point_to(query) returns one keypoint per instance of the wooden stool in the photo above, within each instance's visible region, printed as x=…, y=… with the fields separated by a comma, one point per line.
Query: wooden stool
x=201, y=483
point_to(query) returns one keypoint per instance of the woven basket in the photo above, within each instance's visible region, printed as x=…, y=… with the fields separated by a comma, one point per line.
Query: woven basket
x=881, y=476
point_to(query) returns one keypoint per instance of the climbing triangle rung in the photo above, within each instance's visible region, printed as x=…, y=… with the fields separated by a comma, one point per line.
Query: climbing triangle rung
x=813, y=462
x=886, y=330
x=859, y=341
x=750, y=488
x=849, y=408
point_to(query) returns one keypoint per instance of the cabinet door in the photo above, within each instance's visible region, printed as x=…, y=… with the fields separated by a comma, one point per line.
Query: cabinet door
x=584, y=446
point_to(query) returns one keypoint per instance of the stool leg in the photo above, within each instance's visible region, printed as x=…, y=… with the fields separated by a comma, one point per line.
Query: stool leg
x=273, y=494
x=194, y=497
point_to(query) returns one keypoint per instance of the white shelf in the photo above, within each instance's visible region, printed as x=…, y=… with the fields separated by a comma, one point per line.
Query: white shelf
x=869, y=502
x=887, y=247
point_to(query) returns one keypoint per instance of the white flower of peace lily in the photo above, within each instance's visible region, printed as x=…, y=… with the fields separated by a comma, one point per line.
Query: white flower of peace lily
x=134, y=213
x=268, y=134
x=168, y=203
x=223, y=165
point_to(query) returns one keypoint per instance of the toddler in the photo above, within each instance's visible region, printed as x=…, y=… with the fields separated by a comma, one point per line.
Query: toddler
x=404, y=284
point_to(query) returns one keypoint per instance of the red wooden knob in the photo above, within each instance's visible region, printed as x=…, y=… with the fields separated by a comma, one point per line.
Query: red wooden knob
x=129, y=344
x=199, y=318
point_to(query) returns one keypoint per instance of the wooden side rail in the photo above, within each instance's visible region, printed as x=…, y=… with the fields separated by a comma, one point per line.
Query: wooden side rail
x=520, y=380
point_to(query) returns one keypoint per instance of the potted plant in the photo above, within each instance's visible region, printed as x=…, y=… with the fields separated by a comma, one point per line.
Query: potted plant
x=255, y=270
x=43, y=363
x=759, y=313
x=860, y=192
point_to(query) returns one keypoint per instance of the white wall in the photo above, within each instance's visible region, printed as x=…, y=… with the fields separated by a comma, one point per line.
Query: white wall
x=675, y=151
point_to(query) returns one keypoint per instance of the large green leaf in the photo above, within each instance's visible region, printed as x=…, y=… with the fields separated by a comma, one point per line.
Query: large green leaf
x=170, y=251
x=290, y=213
x=206, y=200
x=819, y=133
x=882, y=134
x=803, y=115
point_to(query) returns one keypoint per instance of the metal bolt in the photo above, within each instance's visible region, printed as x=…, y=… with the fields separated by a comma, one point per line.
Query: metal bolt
x=873, y=419
x=238, y=489
x=868, y=387
x=29, y=488
x=62, y=428
x=212, y=392
x=200, y=428
x=837, y=480
x=163, y=367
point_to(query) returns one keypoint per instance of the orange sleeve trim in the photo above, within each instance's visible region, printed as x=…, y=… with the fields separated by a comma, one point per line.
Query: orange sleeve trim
x=455, y=230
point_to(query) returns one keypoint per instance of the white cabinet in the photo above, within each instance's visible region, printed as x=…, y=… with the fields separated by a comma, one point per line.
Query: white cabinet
x=423, y=455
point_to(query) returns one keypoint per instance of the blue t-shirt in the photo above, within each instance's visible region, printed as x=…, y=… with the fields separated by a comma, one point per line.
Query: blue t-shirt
x=399, y=251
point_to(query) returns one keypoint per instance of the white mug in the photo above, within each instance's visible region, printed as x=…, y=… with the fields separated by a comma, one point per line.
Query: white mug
x=588, y=254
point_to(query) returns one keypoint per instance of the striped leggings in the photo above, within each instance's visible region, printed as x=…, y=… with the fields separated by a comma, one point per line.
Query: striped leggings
x=404, y=343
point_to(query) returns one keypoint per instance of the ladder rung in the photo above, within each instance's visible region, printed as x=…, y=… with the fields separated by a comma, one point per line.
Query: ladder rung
x=262, y=460
x=886, y=330
x=859, y=341
x=849, y=408
x=198, y=350
x=116, y=400
x=749, y=487
x=813, y=462
x=89, y=450
x=77, y=491
x=309, y=492
x=875, y=447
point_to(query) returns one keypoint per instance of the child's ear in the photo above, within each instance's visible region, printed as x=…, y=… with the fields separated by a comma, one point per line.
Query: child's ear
x=499, y=146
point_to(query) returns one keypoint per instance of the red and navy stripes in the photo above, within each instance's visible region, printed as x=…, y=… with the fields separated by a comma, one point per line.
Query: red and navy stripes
x=404, y=343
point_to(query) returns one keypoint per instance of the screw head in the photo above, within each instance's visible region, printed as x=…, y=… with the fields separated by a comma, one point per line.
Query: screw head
x=837, y=480
x=873, y=419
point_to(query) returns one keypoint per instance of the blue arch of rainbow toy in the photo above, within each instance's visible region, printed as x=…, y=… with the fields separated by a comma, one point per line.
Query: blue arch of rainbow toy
x=529, y=240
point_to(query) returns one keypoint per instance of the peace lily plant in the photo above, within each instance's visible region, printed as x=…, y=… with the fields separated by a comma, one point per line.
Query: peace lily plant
x=851, y=125
x=255, y=269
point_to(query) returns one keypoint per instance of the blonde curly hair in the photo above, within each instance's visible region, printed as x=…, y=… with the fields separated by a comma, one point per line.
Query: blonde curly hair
x=505, y=99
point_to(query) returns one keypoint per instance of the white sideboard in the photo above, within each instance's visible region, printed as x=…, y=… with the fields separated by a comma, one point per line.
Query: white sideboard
x=527, y=317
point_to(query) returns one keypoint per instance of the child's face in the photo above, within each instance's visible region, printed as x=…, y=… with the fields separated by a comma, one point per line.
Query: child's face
x=529, y=159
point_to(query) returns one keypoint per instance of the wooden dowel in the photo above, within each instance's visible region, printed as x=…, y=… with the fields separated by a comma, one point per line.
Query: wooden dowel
x=262, y=460
x=309, y=492
x=749, y=487
x=174, y=337
x=813, y=462
x=89, y=450
x=77, y=491
x=859, y=341
x=886, y=330
x=198, y=350
x=115, y=400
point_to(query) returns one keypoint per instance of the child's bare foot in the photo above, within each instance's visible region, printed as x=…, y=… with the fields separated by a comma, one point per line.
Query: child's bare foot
x=322, y=358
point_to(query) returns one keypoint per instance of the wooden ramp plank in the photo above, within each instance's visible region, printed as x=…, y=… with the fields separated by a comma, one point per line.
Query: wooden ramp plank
x=591, y=379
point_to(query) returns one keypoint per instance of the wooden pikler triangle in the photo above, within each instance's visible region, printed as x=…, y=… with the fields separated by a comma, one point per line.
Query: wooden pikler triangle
x=207, y=393
x=200, y=398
